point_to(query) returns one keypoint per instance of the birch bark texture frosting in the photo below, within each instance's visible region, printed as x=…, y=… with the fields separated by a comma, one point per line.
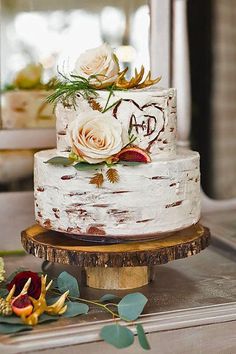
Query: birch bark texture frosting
x=149, y=114
x=158, y=197
x=161, y=194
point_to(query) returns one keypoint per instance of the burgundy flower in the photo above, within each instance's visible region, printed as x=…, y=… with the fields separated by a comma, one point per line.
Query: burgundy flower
x=21, y=278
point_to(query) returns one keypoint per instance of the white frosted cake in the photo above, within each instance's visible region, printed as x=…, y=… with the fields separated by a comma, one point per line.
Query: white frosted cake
x=116, y=170
x=23, y=102
x=26, y=109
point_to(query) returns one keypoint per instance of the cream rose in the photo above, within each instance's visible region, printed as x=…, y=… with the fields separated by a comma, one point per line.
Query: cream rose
x=96, y=136
x=100, y=61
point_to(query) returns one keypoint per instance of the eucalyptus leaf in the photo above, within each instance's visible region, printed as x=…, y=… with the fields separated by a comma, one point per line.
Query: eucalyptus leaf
x=3, y=292
x=6, y=328
x=10, y=319
x=52, y=299
x=59, y=160
x=142, y=337
x=54, y=284
x=130, y=163
x=14, y=320
x=48, y=318
x=84, y=166
x=65, y=282
x=118, y=336
x=108, y=297
x=131, y=306
x=75, y=309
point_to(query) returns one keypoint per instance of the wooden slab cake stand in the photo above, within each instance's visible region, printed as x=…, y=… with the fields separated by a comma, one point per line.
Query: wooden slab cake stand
x=119, y=266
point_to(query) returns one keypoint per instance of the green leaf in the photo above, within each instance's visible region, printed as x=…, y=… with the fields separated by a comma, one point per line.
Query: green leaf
x=75, y=309
x=54, y=284
x=84, y=166
x=6, y=328
x=130, y=163
x=14, y=320
x=52, y=299
x=118, y=336
x=3, y=292
x=142, y=337
x=131, y=306
x=65, y=282
x=59, y=160
x=10, y=319
x=48, y=318
x=108, y=297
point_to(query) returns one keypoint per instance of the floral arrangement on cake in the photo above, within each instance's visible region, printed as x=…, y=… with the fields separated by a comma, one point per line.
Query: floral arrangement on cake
x=28, y=299
x=97, y=138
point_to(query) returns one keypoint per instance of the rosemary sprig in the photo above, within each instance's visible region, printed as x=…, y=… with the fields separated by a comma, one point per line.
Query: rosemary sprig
x=68, y=87
x=132, y=139
x=66, y=90
x=111, y=93
x=112, y=105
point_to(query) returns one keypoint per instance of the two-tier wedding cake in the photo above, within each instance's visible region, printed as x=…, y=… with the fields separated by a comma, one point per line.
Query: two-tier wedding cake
x=116, y=170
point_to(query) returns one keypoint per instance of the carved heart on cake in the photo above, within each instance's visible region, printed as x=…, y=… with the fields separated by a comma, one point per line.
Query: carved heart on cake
x=145, y=122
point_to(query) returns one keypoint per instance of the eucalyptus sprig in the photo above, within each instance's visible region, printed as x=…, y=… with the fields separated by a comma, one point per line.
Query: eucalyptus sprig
x=127, y=309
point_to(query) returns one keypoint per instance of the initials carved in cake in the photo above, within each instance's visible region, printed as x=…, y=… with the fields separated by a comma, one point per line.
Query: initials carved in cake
x=145, y=123
x=148, y=126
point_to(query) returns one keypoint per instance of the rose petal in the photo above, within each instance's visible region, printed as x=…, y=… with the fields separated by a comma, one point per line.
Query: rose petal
x=98, y=61
x=96, y=136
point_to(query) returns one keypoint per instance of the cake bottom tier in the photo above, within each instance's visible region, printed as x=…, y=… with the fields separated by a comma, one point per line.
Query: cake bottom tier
x=162, y=196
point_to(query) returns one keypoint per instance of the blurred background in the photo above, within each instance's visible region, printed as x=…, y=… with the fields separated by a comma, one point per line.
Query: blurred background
x=54, y=33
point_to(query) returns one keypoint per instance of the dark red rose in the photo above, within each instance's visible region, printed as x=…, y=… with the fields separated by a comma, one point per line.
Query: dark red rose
x=21, y=278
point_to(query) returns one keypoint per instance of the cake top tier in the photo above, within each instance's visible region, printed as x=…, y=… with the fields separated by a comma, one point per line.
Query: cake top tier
x=104, y=117
x=146, y=117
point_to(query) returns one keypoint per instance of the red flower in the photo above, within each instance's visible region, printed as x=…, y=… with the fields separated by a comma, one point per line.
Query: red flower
x=21, y=278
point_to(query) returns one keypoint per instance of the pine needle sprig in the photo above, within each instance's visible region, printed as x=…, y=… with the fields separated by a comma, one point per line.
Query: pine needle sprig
x=68, y=88
x=111, y=93
x=132, y=139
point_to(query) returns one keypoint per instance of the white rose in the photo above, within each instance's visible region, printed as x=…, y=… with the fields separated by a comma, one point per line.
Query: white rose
x=100, y=61
x=96, y=136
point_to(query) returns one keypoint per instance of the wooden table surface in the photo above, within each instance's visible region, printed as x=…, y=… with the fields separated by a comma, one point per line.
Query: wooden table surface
x=191, y=307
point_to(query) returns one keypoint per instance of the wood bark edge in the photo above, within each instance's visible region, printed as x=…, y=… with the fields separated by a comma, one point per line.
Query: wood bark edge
x=163, y=255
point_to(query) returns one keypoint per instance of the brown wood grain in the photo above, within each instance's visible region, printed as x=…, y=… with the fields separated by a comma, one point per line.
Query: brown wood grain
x=57, y=247
x=117, y=278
